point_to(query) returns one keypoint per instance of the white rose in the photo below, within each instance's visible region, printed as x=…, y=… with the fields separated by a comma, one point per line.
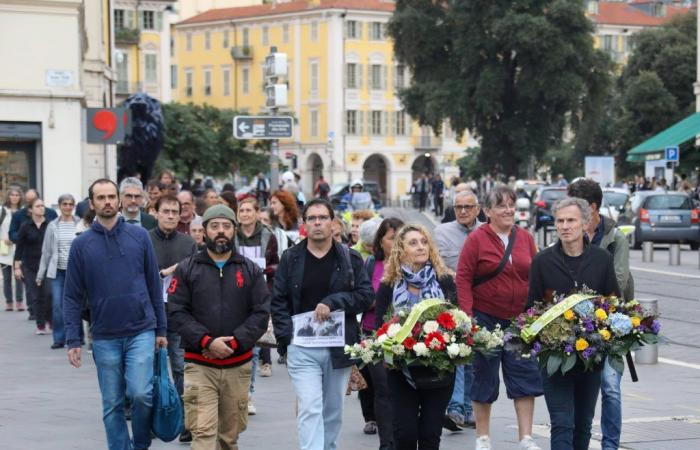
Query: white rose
x=447, y=337
x=398, y=350
x=393, y=330
x=382, y=338
x=420, y=349
x=430, y=326
x=367, y=357
x=464, y=350
x=453, y=350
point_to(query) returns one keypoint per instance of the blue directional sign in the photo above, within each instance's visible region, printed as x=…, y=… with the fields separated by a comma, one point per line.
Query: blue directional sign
x=673, y=154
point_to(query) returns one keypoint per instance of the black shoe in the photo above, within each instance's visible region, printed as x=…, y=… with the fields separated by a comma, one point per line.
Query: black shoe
x=282, y=359
x=56, y=345
x=185, y=436
x=127, y=412
x=31, y=317
x=449, y=423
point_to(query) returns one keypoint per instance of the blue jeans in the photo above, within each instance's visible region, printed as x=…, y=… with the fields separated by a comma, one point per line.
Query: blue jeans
x=125, y=368
x=256, y=356
x=461, y=402
x=59, y=334
x=176, y=355
x=320, y=410
x=611, y=407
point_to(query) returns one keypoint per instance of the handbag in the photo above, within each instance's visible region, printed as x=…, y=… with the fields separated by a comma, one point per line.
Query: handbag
x=4, y=248
x=356, y=382
x=268, y=338
x=167, y=421
x=489, y=276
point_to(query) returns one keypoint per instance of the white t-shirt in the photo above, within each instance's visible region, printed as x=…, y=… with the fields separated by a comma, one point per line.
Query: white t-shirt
x=505, y=238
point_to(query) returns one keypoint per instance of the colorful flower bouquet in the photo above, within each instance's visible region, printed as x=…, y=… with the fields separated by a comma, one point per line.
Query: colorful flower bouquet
x=433, y=333
x=581, y=327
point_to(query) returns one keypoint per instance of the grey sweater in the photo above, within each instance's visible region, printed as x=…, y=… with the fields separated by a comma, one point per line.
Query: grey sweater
x=450, y=238
x=171, y=249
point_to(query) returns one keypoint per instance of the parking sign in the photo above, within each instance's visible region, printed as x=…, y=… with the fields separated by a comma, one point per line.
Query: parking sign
x=672, y=154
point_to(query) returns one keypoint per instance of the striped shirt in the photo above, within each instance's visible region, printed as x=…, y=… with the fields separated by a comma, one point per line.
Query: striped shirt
x=66, y=234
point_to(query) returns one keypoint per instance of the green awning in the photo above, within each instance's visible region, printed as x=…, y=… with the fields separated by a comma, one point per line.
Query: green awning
x=654, y=147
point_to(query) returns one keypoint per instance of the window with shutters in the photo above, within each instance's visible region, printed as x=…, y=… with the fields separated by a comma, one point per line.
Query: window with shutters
x=245, y=80
x=313, y=72
x=207, y=40
x=226, y=80
x=351, y=122
x=150, y=60
x=207, y=82
x=148, y=20
x=607, y=42
x=351, y=76
x=188, y=83
x=376, y=31
x=246, y=37
x=188, y=42
x=173, y=76
x=352, y=29
x=285, y=33
x=399, y=76
x=376, y=124
x=265, y=35
x=225, y=39
x=376, y=77
x=119, y=21
x=314, y=123
x=314, y=31
x=123, y=73
x=399, y=123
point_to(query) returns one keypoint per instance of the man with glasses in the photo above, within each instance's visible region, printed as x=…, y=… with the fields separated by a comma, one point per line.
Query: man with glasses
x=219, y=304
x=450, y=238
x=171, y=247
x=319, y=275
x=187, y=213
x=133, y=199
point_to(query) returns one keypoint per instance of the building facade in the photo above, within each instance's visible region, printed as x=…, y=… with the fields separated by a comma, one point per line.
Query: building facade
x=59, y=62
x=342, y=81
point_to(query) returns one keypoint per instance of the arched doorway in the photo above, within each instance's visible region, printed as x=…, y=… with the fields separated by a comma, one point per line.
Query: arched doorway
x=375, y=169
x=423, y=164
x=314, y=169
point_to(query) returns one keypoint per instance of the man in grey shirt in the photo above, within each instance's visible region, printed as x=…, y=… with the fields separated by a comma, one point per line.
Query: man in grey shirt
x=450, y=238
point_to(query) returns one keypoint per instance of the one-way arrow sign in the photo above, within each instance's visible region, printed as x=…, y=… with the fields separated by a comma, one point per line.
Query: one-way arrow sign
x=263, y=127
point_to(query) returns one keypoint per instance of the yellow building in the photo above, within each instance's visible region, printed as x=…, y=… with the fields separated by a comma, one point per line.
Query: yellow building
x=142, y=47
x=341, y=80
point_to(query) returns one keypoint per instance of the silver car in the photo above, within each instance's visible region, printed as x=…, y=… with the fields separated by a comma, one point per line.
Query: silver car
x=667, y=218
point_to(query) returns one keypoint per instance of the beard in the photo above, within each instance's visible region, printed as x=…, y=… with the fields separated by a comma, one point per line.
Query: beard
x=219, y=247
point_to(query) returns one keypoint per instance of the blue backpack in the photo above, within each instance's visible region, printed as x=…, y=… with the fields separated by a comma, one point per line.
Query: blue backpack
x=168, y=420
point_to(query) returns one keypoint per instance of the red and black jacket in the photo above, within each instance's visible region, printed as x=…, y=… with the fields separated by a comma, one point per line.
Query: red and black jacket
x=205, y=302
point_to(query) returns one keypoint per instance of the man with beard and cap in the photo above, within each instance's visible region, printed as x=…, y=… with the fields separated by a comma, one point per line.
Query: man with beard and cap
x=219, y=304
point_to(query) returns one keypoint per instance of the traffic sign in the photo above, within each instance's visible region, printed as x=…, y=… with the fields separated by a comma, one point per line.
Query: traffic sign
x=107, y=125
x=673, y=154
x=263, y=127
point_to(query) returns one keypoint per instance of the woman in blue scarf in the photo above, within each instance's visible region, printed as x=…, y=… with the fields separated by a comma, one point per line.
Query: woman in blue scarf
x=415, y=272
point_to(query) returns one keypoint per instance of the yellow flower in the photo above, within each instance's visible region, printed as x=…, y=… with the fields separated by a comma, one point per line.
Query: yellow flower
x=569, y=314
x=613, y=309
x=581, y=344
x=605, y=334
x=636, y=321
x=600, y=314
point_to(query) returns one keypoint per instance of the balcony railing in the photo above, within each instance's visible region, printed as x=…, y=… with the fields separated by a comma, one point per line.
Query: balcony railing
x=242, y=52
x=427, y=142
x=126, y=35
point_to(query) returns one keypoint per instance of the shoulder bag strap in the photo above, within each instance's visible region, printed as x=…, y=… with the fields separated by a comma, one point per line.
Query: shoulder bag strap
x=489, y=276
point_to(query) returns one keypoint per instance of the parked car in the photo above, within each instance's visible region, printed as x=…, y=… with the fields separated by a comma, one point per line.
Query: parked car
x=339, y=190
x=666, y=218
x=543, y=200
x=614, y=201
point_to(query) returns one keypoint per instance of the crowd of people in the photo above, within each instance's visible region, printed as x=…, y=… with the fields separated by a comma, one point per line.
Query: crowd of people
x=133, y=268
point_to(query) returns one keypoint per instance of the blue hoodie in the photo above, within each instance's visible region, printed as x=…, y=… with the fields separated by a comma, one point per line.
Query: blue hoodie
x=118, y=273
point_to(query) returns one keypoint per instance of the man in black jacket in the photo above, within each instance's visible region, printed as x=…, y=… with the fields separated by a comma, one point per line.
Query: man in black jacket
x=319, y=275
x=569, y=266
x=219, y=304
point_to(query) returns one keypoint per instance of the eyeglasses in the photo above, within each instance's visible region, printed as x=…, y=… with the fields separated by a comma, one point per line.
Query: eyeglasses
x=465, y=207
x=133, y=196
x=312, y=219
x=67, y=204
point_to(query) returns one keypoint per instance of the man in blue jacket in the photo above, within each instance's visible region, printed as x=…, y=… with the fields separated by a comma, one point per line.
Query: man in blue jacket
x=113, y=264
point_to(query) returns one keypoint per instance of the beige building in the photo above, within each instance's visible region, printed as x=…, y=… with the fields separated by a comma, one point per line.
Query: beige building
x=57, y=62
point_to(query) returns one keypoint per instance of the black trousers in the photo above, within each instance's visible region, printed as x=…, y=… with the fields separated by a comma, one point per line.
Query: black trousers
x=422, y=200
x=375, y=401
x=438, y=201
x=417, y=413
x=265, y=356
x=38, y=297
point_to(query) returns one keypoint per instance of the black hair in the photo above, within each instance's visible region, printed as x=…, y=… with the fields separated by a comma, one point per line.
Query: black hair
x=391, y=223
x=168, y=198
x=588, y=190
x=318, y=202
x=91, y=192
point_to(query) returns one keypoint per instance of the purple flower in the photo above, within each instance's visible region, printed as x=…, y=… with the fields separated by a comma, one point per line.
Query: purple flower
x=531, y=312
x=568, y=348
x=656, y=326
x=587, y=353
x=588, y=325
x=507, y=336
x=521, y=321
x=536, y=347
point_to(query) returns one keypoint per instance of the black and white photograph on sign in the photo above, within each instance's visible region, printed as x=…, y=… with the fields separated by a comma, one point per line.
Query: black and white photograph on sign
x=309, y=332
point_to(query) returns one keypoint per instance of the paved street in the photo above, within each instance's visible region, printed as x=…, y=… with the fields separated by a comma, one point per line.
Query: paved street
x=45, y=402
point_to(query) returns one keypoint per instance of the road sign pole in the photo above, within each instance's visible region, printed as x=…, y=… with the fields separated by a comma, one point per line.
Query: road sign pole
x=274, y=165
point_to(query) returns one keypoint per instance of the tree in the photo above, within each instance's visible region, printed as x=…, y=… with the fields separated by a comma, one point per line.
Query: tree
x=509, y=71
x=200, y=139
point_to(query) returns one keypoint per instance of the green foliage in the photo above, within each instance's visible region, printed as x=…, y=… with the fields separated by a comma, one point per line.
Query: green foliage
x=509, y=71
x=199, y=139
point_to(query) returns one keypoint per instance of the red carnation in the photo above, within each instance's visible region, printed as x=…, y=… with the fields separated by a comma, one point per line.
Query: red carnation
x=416, y=329
x=470, y=341
x=435, y=341
x=383, y=329
x=446, y=321
x=409, y=342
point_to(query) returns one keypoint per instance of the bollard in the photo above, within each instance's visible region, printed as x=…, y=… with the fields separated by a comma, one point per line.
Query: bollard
x=648, y=354
x=647, y=252
x=674, y=255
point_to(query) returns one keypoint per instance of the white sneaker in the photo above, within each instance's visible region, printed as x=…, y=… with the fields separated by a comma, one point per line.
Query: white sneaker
x=483, y=443
x=251, y=408
x=528, y=443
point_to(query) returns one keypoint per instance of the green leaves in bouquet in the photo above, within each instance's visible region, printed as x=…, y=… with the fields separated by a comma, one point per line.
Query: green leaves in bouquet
x=569, y=363
x=617, y=363
x=553, y=363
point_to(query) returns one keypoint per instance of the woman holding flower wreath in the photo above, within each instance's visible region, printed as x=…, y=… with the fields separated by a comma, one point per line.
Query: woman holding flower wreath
x=492, y=283
x=412, y=273
x=572, y=265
